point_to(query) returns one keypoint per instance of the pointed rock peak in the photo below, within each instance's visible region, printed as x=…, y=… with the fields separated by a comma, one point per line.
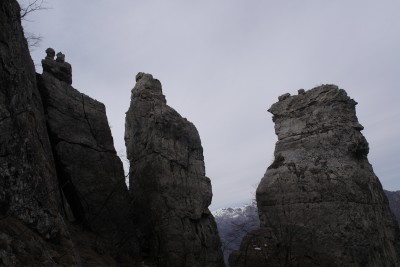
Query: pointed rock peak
x=58, y=68
x=148, y=88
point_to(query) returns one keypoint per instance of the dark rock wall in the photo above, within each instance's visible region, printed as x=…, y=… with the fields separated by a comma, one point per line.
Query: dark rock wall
x=168, y=182
x=31, y=227
x=320, y=203
x=90, y=172
x=29, y=188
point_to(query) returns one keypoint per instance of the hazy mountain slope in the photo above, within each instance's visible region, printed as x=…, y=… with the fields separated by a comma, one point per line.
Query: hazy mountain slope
x=234, y=223
x=394, y=202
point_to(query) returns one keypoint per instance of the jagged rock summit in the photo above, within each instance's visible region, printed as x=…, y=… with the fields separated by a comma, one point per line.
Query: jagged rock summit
x=167, y=180
x=58, y=68
x=320, y=203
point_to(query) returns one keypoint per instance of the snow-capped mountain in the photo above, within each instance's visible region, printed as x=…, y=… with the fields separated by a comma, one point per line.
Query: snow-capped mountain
x=234, y=223
x=394, y=202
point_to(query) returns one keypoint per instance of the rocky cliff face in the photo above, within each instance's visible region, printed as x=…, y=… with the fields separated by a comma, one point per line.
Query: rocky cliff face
x=320, y=203
x=168, y=182
x=90, y=173
x=31, y=227
x=63, y=200
x=26, y=158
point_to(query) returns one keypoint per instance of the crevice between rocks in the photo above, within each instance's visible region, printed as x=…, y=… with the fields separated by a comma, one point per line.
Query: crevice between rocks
x=87, y=119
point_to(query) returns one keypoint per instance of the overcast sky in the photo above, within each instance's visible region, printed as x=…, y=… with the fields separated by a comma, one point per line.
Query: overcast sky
x=223, y=63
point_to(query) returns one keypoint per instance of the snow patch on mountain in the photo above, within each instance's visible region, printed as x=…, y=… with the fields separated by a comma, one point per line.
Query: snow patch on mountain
x=234, y=223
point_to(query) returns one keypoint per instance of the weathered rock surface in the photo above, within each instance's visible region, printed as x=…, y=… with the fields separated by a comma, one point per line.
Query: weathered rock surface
x=320, y=203
x=168, y=182
x=90, y=172
x=32, y=231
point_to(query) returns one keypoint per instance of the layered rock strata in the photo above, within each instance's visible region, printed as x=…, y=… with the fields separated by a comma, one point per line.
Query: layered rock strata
x=32, y=231
x=320, y=203
x=168, y=182
x=90, y=173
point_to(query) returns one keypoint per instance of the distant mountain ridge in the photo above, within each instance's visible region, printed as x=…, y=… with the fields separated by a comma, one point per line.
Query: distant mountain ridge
x=394, y=202
x=234, y=223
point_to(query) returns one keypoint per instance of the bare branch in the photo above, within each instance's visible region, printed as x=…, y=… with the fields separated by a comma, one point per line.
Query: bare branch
x=33, y=40
x=28, y=7
x=33, y=5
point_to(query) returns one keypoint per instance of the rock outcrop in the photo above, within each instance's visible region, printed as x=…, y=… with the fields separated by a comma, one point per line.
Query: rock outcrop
x=58, y=68
x=32, y=231
x=320, y=203
x=168, y=182
x=90, y=173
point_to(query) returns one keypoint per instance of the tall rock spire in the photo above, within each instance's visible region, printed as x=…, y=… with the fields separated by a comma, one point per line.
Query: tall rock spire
x=320, y=203
x=168, y=182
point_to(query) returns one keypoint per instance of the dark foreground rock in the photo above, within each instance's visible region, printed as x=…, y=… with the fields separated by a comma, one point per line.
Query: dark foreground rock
x=32, y=231
x=168, y=182
x=90, y=173
x=320, y=203
x=70, y=207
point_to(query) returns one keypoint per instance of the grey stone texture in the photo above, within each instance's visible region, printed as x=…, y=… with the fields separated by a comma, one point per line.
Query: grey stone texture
x=90, y=172
x=32, y=230
x=168, y=182
x=320, y=203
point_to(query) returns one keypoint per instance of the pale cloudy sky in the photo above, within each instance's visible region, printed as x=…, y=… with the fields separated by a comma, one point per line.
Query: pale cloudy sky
x=222, y=63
